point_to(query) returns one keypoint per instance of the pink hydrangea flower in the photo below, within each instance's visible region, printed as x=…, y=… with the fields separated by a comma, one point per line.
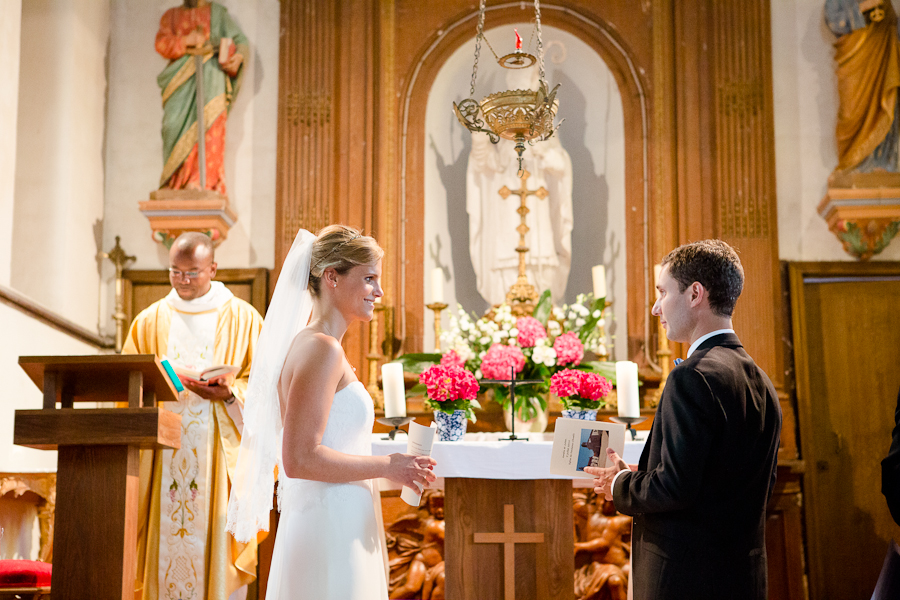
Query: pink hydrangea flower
x=530, y=331
x=499, y=358
x=594, y=386
x=581, y=384
x=452, y=359
x=446, y=383
x=569, y=349
x=566, y=383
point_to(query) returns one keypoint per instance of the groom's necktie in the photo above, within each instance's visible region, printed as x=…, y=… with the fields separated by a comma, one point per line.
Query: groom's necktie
x=678, y=361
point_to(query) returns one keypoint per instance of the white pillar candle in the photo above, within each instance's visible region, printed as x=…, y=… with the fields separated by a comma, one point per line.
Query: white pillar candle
x=657, y=269
x=627, y=389
x=598, y=274
x=394, y=390
x=437, y=285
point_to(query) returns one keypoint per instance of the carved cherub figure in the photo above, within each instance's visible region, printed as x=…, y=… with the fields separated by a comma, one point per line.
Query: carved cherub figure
x=419, y=543
x=602, y=549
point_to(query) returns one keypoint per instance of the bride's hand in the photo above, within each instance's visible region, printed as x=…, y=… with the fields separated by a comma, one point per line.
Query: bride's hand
x=408, y=470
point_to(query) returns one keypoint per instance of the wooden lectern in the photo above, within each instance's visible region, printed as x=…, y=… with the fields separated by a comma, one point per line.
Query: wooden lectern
x=95, y=535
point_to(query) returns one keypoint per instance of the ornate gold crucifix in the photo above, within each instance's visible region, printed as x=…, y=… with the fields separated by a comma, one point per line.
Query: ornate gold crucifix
x=509, y=538
x=522, y=296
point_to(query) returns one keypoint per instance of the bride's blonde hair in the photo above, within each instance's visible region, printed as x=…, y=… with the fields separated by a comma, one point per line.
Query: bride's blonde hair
x=340, y=248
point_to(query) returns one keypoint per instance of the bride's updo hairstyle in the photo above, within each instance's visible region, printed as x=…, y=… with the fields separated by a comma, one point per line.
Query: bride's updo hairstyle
x=340, y=248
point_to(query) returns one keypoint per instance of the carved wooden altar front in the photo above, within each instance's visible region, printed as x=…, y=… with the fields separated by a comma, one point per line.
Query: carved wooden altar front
x=601, y=549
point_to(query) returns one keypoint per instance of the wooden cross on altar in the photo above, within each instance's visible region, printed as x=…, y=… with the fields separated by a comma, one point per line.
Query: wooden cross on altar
x=509, y=538
x=521, y=291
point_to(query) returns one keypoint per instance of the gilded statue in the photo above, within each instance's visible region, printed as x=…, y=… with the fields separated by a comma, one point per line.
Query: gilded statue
x=867, y=57
x=602, y=549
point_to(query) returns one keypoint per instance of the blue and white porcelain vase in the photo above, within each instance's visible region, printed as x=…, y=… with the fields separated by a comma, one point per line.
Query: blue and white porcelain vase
x=450, y=428
x=579, y=413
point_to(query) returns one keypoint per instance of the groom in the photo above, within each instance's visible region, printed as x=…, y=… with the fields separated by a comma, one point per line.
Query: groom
x=699, y=493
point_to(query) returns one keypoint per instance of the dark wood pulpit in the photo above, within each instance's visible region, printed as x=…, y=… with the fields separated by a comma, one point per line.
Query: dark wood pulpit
x=95, y=533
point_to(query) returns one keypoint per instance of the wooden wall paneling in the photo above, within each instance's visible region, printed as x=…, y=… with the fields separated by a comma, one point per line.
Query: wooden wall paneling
x=784, y=535
x=845, y=353
x=144, y=287
x=326, y=127
x=305, y=172
x=356, y=144
x=664, y=224
x=693, y=96
x=744, y=178
x=385, y=209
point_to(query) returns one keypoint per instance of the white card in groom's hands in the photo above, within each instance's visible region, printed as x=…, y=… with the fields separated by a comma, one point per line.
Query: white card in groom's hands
x=578, y=444
x=419, y=443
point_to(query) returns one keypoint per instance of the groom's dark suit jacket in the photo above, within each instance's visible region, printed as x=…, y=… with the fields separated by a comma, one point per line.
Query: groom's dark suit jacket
x=706, y=473
x=890, y=469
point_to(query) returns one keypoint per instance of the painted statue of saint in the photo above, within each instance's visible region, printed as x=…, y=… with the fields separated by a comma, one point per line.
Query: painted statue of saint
x=493, y=221
x=867, y=53
x=200, y=28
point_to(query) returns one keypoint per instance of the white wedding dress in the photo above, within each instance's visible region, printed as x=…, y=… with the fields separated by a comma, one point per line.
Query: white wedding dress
x=328, y=546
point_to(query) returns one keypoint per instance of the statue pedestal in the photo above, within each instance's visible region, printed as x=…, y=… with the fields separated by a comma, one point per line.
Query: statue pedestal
x=863, y=211
x=172, y=212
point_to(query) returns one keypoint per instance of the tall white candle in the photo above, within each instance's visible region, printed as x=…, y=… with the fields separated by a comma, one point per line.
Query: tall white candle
x=627, y=389
x=598, y=274
x=437, y=285
x=657, y=269
x=394, y=390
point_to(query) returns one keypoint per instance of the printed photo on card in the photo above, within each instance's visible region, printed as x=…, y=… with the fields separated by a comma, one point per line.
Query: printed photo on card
x=578, y=444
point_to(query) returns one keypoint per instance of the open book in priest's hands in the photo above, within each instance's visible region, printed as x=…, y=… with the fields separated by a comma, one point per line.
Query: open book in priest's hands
x=208, y=375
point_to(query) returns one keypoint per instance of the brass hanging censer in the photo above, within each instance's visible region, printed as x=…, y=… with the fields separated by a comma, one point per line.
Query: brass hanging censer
x=517, y=115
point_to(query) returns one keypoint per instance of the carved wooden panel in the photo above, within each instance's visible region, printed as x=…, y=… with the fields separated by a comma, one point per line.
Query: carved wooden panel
x=144, y=287
x=784, y=535
x=307, y=73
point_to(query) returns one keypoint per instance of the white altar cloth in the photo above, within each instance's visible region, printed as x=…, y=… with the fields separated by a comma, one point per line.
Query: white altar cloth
x=484, y=456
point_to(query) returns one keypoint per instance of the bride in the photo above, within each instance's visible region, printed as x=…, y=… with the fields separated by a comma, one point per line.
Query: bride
x=308, y=414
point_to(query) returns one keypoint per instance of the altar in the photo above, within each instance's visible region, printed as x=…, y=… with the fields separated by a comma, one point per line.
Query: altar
x=509, y=529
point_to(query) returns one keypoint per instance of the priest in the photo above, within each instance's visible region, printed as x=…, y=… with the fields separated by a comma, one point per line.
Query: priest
x=183, y=548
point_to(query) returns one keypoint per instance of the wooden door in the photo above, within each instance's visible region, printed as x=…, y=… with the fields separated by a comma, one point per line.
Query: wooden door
x=847, y=356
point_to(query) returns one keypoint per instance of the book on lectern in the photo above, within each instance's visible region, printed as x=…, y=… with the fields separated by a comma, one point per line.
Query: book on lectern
x=578, y=444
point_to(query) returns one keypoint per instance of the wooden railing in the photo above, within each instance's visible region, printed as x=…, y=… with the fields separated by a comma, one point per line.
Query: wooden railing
x=47, y=316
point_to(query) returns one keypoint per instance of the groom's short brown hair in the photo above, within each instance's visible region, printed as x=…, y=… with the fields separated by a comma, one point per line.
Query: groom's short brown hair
x=714, y=265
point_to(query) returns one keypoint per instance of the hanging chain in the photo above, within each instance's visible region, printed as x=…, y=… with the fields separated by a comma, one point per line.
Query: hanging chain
x=537, y=23
x=478, y=46
x=491, y=48
x=531, y=38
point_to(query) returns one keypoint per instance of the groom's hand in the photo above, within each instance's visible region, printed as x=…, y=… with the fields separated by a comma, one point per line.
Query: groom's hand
x=604, y=475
